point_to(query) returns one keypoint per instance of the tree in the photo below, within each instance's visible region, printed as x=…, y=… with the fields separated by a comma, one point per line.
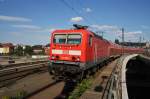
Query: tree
x=18, y=51
x=28, y=50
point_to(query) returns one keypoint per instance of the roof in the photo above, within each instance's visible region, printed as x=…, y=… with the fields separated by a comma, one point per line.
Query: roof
x=6, y=45
x=37, y=47
x=47, y=45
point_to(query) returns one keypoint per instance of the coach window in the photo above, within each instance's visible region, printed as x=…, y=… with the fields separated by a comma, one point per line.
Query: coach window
x=90, y=40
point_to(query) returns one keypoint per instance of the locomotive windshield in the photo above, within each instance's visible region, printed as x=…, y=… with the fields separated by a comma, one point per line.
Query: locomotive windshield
x=74, y=39
x=67, y=38
x=60, y=38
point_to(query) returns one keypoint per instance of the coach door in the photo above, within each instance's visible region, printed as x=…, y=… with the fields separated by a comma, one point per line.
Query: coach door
x=95, y=53
x=90, y=50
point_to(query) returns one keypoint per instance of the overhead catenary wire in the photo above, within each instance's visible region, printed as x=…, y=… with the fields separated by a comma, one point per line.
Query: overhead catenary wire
x=77, y=13
x=84, y=6
x=74, y=10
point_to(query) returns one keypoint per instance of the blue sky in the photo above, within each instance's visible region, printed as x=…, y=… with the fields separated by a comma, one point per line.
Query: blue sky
x=32, y=21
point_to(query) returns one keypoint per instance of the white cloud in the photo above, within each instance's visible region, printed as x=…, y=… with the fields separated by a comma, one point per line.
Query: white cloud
x=76, y=19
x=106, y=28
x=34, y=28
x=131, y=36
x=134, y=33
x=31, y=27
x=88, y=10
x=44, y=30
x=14, y=19
x=114, y=29
x=116, y=32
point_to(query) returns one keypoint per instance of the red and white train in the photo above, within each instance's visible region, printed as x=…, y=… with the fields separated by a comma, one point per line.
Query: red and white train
x=77, y=50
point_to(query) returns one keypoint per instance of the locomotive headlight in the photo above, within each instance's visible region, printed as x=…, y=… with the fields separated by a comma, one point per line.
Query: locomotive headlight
x=53, y=57
x=78, y=58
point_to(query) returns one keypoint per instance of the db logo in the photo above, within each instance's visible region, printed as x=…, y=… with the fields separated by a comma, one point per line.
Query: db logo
x=65, y=52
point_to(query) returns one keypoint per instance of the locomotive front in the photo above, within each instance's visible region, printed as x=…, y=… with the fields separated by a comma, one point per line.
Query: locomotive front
x=66, y=52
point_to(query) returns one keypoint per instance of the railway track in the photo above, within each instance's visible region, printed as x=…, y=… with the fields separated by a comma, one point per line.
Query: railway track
x=55, y=90
x=51, y=90
x=21, y=63
x=62, y=91
x=12, y=73
x=34, y=90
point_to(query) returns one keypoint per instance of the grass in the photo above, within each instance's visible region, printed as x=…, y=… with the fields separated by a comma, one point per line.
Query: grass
x=19, y=95
x=80, y=89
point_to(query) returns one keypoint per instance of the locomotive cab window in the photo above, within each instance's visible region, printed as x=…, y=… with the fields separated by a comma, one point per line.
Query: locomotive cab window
x=67, y=38
x=74, y=39
x=90, y=40
x=59, y=38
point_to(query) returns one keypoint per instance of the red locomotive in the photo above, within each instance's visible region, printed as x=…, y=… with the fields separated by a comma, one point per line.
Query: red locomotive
x=78, y=50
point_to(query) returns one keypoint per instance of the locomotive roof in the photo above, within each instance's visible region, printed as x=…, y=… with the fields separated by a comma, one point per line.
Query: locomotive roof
x=67, y=30
x=77, y=30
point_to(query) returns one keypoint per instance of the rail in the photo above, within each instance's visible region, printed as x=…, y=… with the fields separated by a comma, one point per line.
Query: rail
x=8, y=62
x=11, y=74
x=37, y=91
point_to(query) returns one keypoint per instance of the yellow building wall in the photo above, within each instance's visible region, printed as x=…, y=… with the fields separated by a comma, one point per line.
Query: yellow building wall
x=4, y=50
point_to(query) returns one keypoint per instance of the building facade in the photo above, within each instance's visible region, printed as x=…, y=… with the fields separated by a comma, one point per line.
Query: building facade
x=6, y=48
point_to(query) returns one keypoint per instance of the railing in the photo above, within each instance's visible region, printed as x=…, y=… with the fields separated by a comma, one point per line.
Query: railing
x=114, y=86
